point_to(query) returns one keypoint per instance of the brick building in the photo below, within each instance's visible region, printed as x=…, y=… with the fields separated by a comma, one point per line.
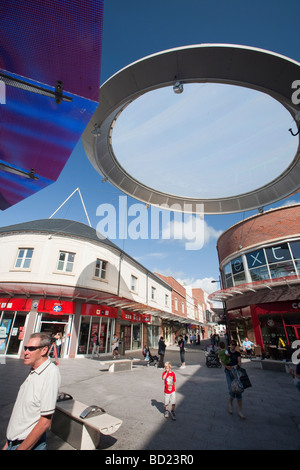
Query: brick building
x=260, y=269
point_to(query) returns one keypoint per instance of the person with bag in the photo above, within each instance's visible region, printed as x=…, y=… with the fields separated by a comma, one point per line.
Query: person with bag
x=161, y=352
x=231, y=371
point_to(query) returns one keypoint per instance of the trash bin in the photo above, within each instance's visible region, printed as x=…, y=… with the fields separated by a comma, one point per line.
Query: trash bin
x=121, y=348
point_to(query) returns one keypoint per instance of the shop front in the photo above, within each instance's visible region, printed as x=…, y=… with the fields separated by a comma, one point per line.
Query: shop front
x=13, y=318
x=99, y=320
x=153, y=332
x=272, y=326
x=276, y=326
x=131, y=329
x=55, y=318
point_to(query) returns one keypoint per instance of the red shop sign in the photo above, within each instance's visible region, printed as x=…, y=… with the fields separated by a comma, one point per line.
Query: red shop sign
x=56, y=307
x=277, y=307
x=135, y=317
x=99, y=311
x=21, y=305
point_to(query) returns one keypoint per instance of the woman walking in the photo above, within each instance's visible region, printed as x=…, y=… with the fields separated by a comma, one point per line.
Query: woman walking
x=230, y=371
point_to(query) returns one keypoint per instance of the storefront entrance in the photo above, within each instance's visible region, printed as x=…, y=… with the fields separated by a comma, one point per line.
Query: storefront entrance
x=53, y=325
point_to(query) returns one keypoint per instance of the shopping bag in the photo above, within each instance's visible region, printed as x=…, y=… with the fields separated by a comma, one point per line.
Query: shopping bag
x=236, y=385
x=244, y=379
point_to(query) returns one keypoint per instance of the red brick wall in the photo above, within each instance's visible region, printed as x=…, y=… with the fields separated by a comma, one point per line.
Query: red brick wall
x=272, y=225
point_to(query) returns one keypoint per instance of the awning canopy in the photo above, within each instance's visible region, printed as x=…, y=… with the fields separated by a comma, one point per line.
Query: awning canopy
x=257, y=286
x=49, y=83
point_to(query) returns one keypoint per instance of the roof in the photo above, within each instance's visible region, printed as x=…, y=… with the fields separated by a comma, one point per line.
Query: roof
x=59, y=227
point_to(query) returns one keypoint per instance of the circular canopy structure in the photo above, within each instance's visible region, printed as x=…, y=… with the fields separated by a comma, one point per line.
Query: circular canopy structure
x=252, y=68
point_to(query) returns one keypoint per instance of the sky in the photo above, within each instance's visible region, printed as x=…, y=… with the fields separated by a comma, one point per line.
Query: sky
x=132, y=30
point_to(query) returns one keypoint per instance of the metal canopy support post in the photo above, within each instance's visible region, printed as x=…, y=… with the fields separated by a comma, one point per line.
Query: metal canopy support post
x=77, y=189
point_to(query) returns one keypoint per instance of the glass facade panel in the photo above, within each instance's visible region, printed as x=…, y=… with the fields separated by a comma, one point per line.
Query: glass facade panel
x=239, y=279
x=278, y=253
x=280, y=260
x=83, y=335
x=228, y=276
x=256, y=259
x=282, y=270
x=295, y=248
x=259, y=274
x=237, y=265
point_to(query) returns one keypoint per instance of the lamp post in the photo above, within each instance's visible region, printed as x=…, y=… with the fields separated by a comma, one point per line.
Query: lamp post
x=224, y=310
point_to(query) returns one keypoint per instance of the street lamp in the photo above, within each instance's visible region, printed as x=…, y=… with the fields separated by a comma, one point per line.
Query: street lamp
x=224, y=309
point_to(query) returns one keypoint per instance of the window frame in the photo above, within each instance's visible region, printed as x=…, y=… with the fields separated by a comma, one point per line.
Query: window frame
x=65, y=262
x=23, y=259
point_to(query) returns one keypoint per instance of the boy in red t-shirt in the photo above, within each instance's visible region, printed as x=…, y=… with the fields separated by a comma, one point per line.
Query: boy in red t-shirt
x=169, y=390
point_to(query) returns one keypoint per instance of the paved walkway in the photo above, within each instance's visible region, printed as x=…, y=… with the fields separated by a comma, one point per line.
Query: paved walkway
x=271, y=406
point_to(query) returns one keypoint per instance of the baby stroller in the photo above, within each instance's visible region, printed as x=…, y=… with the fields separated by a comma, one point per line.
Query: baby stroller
x=212, y=359
x=151, y=360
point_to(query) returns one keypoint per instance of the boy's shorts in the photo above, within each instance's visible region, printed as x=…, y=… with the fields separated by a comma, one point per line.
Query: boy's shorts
x=170, y=398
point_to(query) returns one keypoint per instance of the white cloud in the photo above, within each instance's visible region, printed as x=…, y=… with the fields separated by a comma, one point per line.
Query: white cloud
x=205, y=284
x=193, y=232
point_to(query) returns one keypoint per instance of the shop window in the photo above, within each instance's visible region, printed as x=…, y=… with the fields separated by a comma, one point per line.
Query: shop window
x=278, y=253
x=228, y=276
x=65, y=261
x=24, y=258
x=100, y=269
x=295, y=248
x=297, y=263
x=256, y=259
x=239, y=279
x=282, y=270
x=259, y=274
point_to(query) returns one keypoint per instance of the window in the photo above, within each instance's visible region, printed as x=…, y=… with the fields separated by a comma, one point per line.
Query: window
x=65, y=261
x=176, y=304
x=228, y=276
x=153, y=293
x=182, y=307
x=166, y=300
x=24, y=258
x=100, y=270
x=133, y=285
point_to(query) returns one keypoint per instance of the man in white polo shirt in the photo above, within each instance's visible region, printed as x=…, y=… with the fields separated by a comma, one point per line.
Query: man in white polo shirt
x=36, y=400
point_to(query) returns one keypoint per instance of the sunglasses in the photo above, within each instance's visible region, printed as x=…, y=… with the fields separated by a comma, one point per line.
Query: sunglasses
x=32, y=348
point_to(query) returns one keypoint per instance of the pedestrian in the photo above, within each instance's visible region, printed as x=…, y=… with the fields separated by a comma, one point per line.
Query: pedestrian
x=230, y=371
x=169, y=379
x=58, y=341
x=182, y=352
x=247, y=346
x=95, y=341
x=36, y=400
x=161, y=352
x=115, y=346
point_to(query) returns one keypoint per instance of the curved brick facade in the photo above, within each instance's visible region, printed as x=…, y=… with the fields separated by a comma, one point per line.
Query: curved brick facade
x=275, y=224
